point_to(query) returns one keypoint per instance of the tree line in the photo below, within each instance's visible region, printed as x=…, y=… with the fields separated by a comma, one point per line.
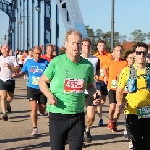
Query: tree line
x=136, y=36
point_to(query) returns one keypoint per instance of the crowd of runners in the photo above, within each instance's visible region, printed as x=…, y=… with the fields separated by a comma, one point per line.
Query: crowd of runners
x=67, y=84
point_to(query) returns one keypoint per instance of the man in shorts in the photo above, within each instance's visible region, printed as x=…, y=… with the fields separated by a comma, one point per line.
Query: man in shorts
x=35, y=68
x=113, y=69
x=8, y=66
x=69, y=74
x=101, y=86
x=90, y=108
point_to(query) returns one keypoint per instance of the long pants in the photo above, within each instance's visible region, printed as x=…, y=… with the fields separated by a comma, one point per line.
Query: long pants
x=64, y=126
x=140, y=131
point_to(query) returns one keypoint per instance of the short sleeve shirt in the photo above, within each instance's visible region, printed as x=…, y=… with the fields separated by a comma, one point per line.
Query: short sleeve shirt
x=68, y=82
x=5, y=72
x=141, y=97
x=35, y=70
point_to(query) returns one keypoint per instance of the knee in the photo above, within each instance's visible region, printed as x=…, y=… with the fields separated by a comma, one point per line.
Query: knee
x=112, y=107
x=3, y=97
x=91, y=118
x=34, y=109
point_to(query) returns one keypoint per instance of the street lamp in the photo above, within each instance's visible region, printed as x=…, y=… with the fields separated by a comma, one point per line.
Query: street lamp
x=37, y=8
x=112, y=26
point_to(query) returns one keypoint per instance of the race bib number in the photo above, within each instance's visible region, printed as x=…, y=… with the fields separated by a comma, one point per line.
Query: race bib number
x=73, y=85
x=101, y=72
x=35, y=80
x=144, y=112
x=113, y=84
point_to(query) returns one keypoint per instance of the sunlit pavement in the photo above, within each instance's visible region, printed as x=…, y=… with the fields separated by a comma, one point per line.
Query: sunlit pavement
x=15, y=134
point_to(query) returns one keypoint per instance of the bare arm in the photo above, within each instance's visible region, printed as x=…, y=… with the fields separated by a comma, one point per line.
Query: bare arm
x=12, y=68
x=119, y=95
x=44, y=89
x=43, y=85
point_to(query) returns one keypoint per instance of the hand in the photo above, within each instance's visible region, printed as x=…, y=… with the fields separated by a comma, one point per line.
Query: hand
x=52, y=100
x=14, y=75
x=106, y=79
x=96, y=78
x=97, y=99
x=6, y=65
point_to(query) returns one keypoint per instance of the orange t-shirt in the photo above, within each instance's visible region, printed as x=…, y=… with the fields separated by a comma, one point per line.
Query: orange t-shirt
x=103, y=59
x=114, y=69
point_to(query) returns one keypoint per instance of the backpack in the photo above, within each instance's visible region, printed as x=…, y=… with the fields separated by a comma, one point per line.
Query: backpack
x=132, y=81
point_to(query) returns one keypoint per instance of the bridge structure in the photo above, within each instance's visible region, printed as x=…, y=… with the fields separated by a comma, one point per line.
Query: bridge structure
x=29, y=20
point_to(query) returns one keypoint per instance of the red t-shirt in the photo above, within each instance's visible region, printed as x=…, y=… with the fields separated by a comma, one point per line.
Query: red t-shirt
x=48, y=58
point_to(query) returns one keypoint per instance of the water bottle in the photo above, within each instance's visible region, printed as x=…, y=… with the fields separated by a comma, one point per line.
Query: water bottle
x=132, y=85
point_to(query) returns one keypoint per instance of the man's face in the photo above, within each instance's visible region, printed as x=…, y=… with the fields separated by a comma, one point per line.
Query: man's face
x=117, y=52
x=140, y=55
x=130, y=59
x=5, y=50
x=101, y=47
x=73, y=45
x=36, y=54
x=49, y=50
x=86, y=47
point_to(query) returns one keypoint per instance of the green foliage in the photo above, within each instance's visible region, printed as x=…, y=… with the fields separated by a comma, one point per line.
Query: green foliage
x=100, y=35
x=138, y=36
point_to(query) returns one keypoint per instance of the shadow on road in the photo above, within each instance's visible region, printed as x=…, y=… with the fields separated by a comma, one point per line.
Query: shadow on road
x=24, y=139
x=30, y=147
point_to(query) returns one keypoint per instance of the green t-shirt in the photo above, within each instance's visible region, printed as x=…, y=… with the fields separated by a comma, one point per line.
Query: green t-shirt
x=67, y=83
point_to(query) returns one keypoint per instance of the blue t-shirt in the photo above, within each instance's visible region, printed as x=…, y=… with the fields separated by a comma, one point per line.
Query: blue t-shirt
x=35, y=70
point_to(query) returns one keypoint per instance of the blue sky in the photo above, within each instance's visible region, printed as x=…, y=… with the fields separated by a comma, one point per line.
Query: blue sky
x=129, y=15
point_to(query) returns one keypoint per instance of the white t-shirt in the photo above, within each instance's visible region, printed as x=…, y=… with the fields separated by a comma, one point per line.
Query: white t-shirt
x=5, y=73
x=20, y=59
x=96, y=64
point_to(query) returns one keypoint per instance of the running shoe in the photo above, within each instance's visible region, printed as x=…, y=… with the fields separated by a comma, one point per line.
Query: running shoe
x=34, y=132
x=130, y=145
x=100, y=122
x=5, y=117
x=8, y=108
x=114, y=128
x=88, y=137
x=110, y=124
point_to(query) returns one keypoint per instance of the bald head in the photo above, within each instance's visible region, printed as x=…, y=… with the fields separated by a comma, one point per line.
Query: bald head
x=5, y=50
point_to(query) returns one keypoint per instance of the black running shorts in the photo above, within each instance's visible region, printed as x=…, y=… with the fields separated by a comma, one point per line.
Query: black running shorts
x=36, y=94
x=8, y=85
x=112, y=96
x=88, y=100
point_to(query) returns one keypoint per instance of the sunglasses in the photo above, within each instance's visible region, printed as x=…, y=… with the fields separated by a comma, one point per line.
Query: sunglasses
x=141, y=52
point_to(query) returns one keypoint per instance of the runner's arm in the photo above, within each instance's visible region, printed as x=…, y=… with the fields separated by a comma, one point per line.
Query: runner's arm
x=44, y=87
x=119, y=95
x=14, y=69
x=121, y=85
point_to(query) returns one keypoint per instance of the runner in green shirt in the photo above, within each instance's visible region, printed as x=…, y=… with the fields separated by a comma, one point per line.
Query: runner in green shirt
x=69, y=74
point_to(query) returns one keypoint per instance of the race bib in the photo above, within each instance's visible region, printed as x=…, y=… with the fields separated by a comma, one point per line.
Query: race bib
x=144, y=112
x=35, y=80
x=113, y=84
x=73, y=85
x=101, y=72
